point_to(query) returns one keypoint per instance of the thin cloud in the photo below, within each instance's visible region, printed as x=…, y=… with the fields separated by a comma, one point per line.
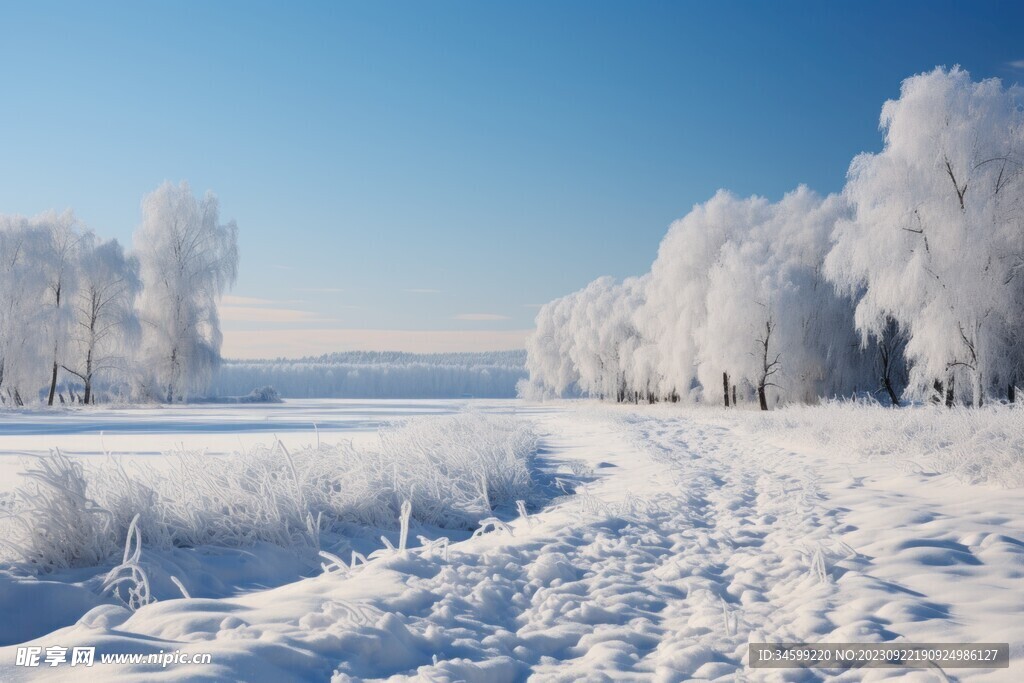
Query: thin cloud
x=296, y=343
x=247, y=314
x=532, y=305
x=319, y=290
x=479, y=317
x=1016, y=64
x=232, y=300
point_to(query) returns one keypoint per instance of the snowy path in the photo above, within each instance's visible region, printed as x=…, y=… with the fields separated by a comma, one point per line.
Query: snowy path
x=690, y=542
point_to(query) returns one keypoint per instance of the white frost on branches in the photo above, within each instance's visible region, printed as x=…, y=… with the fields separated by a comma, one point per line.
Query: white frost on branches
x=916, y=265
x=187, y=261
x=70, y=303
x=737, y=290
x=937, y=239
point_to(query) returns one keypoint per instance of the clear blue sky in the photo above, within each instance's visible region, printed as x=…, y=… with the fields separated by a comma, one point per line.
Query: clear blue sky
x=444, y=160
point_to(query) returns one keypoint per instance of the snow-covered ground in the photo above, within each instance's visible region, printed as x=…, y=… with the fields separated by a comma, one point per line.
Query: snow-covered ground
x=660, y=541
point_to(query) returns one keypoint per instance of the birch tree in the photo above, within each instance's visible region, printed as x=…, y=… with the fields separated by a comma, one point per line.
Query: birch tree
x=106, y=325
x=23, y=287
x=187, y=260
x=58, y=263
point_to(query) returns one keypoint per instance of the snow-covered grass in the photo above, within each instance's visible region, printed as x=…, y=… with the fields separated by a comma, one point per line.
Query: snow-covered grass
x=453, y=470
x=978, y=446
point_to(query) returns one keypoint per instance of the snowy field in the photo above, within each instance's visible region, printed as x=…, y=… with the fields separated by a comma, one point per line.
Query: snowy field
x=656, y=541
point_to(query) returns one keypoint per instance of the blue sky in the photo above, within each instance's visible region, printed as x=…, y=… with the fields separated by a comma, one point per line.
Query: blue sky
x=421, y=175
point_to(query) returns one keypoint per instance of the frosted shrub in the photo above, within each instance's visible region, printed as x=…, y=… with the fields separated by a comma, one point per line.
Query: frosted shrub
x=452, y=470
x=54, y=524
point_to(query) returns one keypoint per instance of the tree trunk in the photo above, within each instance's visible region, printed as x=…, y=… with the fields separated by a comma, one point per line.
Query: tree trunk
x=887, y=383
x=170, y=384
x=725, y=388
x=88, y=376
x=53, y=379
x=949, y=392
x=734, y=404
x=762, y=399
x=937, y=396
x=890, y=345
x=56, y=345
x=1011, y=392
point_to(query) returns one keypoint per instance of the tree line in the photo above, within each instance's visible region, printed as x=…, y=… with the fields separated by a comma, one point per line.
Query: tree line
x=375, y=374
x=82, y=319
x=907, y=284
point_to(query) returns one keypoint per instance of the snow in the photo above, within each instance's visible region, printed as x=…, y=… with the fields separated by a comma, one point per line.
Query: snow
x=670, y=539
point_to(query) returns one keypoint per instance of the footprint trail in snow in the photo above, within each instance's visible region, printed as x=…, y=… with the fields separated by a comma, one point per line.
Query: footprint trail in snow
x=689, y=542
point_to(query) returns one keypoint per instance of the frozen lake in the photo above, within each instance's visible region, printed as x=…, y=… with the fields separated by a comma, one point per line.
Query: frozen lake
x=219, y=428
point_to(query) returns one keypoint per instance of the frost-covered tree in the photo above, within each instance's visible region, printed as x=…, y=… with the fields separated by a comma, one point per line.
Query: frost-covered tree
x=603, y=335
x=23, y=288
x=58, y=263
x=677, y=291
x=67, y=300
x=587, y=343
x=187, y=260
x=106, y=325
x=549, y=351
x=924, y=250
x=736, y=302
x=937, y=239
x=773, y=321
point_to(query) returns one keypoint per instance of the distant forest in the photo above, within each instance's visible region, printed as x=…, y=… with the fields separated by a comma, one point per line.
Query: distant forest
x=378, y=374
